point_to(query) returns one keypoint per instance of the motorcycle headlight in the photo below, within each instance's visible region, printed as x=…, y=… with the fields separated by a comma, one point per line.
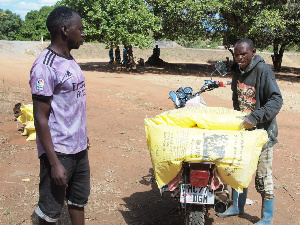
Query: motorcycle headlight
x=188, y=90
x=180, y=95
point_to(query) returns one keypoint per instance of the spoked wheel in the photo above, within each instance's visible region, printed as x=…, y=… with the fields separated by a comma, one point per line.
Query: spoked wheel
x=194, y=215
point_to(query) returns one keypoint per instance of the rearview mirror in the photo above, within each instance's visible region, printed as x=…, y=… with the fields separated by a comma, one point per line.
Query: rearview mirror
x=221, y=68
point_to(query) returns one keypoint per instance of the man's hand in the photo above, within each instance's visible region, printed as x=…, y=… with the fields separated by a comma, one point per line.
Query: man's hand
x=246, y=123
x=59, y=174
x=88, y=143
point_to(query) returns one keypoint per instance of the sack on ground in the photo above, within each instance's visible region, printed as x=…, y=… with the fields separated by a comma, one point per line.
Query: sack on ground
x=26, y=118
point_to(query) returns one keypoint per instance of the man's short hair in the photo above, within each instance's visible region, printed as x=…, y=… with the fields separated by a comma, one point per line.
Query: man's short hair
x=60, y=16
x=245, y=40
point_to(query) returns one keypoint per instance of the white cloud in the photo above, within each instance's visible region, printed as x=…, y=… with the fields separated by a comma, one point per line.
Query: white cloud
x=47, y=2
x=25, y=6
x=37, y=5
x=29, y=6
x=7, y=1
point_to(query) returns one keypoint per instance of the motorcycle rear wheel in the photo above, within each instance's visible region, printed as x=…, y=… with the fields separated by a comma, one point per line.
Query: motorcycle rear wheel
x=195, y=215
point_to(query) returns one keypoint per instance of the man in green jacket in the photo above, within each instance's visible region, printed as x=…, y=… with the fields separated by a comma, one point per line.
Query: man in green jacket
x=256, y=92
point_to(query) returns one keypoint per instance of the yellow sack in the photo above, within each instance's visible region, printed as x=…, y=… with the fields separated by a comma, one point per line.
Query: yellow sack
x=26, y=118
x=27, y=113
x=214, y=118
x=171, y=141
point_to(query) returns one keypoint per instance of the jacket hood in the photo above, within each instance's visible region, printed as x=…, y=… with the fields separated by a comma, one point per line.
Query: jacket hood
x=255, y=60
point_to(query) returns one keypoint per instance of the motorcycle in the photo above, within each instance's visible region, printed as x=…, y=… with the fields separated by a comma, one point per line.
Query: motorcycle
x=198, y=187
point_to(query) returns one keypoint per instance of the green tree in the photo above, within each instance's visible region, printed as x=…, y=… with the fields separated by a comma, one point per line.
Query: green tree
x=181, y=19
x=272, y=22
x=34, y=26
x=10, y=25
x=279, y=25
x=116, y=22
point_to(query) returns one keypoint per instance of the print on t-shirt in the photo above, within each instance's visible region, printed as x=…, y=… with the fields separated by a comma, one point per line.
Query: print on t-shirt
x=246, y=97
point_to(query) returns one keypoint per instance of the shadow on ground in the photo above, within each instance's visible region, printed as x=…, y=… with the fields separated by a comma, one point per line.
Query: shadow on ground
x=185, y=69
x=152, y=208
x=166, y=68
x=149, y=207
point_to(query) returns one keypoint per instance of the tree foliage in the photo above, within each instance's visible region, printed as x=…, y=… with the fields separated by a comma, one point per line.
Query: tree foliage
x=34, y=26
x=10, y=25
x=181, y=19
x=116, y=22
x=140, y=22
x=267, y=22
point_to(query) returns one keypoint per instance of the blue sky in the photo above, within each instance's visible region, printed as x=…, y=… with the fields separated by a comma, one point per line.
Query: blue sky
x=24, y=6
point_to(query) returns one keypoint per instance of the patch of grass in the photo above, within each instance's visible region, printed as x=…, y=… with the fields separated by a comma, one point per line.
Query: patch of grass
x=8, y=216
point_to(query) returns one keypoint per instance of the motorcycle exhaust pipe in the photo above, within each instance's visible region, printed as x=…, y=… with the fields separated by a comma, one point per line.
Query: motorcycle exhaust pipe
x=220, y=207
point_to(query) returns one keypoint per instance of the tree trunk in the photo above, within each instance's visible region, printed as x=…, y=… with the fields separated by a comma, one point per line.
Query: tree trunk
x=277, y=57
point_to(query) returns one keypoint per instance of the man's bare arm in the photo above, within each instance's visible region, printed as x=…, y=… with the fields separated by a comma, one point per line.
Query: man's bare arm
x=41, y=109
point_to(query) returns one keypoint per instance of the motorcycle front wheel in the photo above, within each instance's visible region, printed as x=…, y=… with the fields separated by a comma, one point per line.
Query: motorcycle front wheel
x=194, y=214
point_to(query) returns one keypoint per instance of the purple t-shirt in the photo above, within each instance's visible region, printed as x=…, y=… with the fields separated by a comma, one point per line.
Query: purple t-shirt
x=61, y=80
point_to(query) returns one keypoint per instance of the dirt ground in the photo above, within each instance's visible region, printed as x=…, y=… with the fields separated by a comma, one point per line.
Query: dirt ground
x=123, y=188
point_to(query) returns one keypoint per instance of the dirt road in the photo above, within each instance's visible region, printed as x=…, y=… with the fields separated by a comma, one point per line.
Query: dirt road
x=123, y=191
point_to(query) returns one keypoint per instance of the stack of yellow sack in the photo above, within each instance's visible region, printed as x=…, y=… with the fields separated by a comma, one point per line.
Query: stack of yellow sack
x=203, y=134
x=26, y=118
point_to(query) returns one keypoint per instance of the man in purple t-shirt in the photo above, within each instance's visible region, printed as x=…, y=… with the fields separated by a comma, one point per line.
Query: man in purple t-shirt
x=59, y=104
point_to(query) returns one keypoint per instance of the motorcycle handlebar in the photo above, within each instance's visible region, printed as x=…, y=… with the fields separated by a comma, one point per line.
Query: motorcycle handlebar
x=182, y=95
x=224, y=83
x=209, y=85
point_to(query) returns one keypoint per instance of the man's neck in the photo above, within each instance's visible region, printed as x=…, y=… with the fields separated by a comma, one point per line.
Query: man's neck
x=60, y=49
